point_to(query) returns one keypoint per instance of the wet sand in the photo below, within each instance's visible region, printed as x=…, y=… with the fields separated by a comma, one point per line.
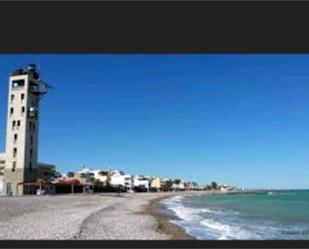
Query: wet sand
x=163, y=224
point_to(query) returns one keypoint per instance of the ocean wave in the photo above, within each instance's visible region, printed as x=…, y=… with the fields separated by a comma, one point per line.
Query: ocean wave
x=228, y=232
x=204, y=219
x=176, y=204
x=187, y=213
x=196, y=223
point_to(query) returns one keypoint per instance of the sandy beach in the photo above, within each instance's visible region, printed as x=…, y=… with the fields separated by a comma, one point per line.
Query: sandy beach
x=105, y=216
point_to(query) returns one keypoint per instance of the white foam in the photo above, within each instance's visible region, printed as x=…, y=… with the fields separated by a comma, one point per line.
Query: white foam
x=182, y=212
x=195, y=220
x=187, y=213
x=224, y=230
x=227, y=231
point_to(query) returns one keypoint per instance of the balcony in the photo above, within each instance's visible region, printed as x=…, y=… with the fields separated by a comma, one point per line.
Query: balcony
x=39, y=88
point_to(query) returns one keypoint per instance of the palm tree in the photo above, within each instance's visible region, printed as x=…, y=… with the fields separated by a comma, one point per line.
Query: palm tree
x=71, y=174
x=98, y=183
x=208, y=187
x=177, y=181
x=214, y=185
x=104, y=172
x=168, y=185
x=108, y=174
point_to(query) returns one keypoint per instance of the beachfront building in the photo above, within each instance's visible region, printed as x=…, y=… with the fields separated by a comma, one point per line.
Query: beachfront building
x=19, y=161
x=105, y=177
x=120, y=179
x=84, y=179
x=113, y=177
x=141, y=183
x=155, y=184
x=226, y=188
x=166, y=184
x=102, y=175
x=178, y=185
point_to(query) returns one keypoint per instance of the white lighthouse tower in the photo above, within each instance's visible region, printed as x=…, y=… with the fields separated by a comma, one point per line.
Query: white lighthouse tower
x=21, y=155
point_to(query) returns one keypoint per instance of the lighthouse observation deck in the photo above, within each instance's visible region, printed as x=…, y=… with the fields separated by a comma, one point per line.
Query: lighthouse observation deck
x=36, y=85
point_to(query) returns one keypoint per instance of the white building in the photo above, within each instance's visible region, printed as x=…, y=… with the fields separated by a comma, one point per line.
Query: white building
x=115, y=178
x=142, y=182
x=119, y=178
x=101, y=175
x=21, y=152
x=178, y=185
x=226, y=188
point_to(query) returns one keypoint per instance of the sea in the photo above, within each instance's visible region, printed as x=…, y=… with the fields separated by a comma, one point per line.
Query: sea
x=271, y=215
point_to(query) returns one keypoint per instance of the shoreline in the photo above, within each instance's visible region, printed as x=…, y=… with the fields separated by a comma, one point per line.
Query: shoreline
x=164, y=225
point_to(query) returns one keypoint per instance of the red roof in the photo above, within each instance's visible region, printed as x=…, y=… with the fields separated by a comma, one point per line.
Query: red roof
x=68, y=182
x=36, y=182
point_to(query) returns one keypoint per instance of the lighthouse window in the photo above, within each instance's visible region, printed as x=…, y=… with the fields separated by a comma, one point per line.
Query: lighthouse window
x=31, y=140
x=30, y=152
x=14, y=152
x=14, y=166
x=22, y=96
x=30, y=166
x=30, y=126
x=12, y=110
x=18, y=83
x=18, y=123
x=13, y=124
x=23, y=109
x=33, y=127
x=15, y=138
x=12, y=97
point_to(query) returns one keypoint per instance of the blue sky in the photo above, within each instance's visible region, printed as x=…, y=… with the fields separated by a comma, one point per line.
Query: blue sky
x=237, y=119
